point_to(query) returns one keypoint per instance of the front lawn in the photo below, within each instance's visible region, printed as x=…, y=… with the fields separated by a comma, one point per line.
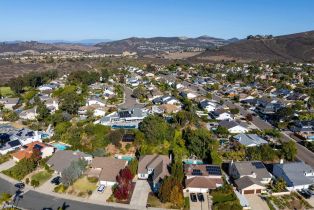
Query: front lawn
x=224, y=199
x=82, y=187
x=21, y=169
x=153, y=201
x=5, y=158
x=41, y=177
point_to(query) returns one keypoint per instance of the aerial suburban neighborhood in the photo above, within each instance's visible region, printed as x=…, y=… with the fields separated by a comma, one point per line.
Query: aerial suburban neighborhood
x=156, y=123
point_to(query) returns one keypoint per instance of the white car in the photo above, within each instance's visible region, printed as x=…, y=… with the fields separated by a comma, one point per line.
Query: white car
x=101, y=188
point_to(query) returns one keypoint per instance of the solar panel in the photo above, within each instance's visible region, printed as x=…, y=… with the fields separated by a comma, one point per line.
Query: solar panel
x=258, y=165
x=124, y=114
x=214, y=170
x=38, y=147
x=14, y=143
x=196, y=172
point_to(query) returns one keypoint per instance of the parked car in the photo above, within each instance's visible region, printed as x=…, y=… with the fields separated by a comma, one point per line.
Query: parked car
x=200, y=197
x=305, y=194
x=193, y=197
x=56, y=180
x=101, y=188
x=20, y=185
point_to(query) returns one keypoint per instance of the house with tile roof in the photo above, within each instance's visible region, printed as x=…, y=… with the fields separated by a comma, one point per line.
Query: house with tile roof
x=27, y=151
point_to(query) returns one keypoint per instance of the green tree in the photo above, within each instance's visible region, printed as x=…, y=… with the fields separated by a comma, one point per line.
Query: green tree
x=280, y=185
x=171, y=191
x=234, y=111
x=133, y=166
x=70, y=102
x=177, y=171
x=43, y=111
x=156, y=130
x=289, y=150
x=199, y=142
x=222, y=131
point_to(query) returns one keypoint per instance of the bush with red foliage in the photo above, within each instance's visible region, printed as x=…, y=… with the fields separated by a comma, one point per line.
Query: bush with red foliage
x=124, y=179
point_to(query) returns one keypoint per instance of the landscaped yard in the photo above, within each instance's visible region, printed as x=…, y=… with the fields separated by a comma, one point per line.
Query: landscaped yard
x=6, y=91
x=292, y=201
x=224, y=198
x=153, y=201
x=41, y=177
x=4, y=158
x=82, y=187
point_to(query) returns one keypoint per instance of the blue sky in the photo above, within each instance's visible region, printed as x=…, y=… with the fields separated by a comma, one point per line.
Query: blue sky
x=116, y=19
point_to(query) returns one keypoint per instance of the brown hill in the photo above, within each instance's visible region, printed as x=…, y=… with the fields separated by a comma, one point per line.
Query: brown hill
x=293, y=47
x=162, y=44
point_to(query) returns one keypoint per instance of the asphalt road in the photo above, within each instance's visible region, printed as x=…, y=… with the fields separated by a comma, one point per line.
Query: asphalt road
x=37, y=201
x=129, y=101
x=46, y=202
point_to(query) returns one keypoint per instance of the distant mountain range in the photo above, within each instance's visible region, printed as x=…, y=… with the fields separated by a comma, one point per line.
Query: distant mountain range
x=162, y=44
x=293, y=47
x=134, y=44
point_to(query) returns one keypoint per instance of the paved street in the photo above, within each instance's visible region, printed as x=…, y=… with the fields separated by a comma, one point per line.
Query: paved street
x=129, y=101
x=38, y=201
x=6, y=187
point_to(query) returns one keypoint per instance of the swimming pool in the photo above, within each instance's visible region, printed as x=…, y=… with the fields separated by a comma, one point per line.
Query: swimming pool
x=190, y=161
x=60, y=146
x=125, y=157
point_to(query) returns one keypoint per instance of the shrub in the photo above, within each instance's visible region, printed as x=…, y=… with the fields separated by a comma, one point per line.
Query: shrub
x=60, y=188
x=34, y=183
x=92, y=179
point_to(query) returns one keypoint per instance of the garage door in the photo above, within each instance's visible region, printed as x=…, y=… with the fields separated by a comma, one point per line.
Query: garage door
x=258, y=191
x=248, y=191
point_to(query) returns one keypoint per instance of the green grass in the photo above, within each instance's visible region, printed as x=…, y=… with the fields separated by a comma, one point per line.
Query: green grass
x=6, y=91
x=4, y=158
x=186, y=203
x=83, y=185
x=41, y=177
x=270, y=205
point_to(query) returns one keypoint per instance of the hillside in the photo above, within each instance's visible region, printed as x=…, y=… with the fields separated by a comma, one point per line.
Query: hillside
x=162, y=44
x=42, y=47
x=293, y=47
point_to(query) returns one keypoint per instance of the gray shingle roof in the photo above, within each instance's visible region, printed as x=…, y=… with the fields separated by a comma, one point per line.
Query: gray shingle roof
x=249, y=139
x=295, y=172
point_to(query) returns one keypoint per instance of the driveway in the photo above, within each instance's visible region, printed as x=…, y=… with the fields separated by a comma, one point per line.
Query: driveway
x=47, y=187
x=206, y=205
x=256, y=202
x=101, y=197
x=129, y=101
x=7, y=165
x=140, y=193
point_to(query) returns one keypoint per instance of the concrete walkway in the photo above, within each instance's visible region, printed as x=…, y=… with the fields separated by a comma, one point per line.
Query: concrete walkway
x=256, y=202
x=140, y=193
x=7, y=165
